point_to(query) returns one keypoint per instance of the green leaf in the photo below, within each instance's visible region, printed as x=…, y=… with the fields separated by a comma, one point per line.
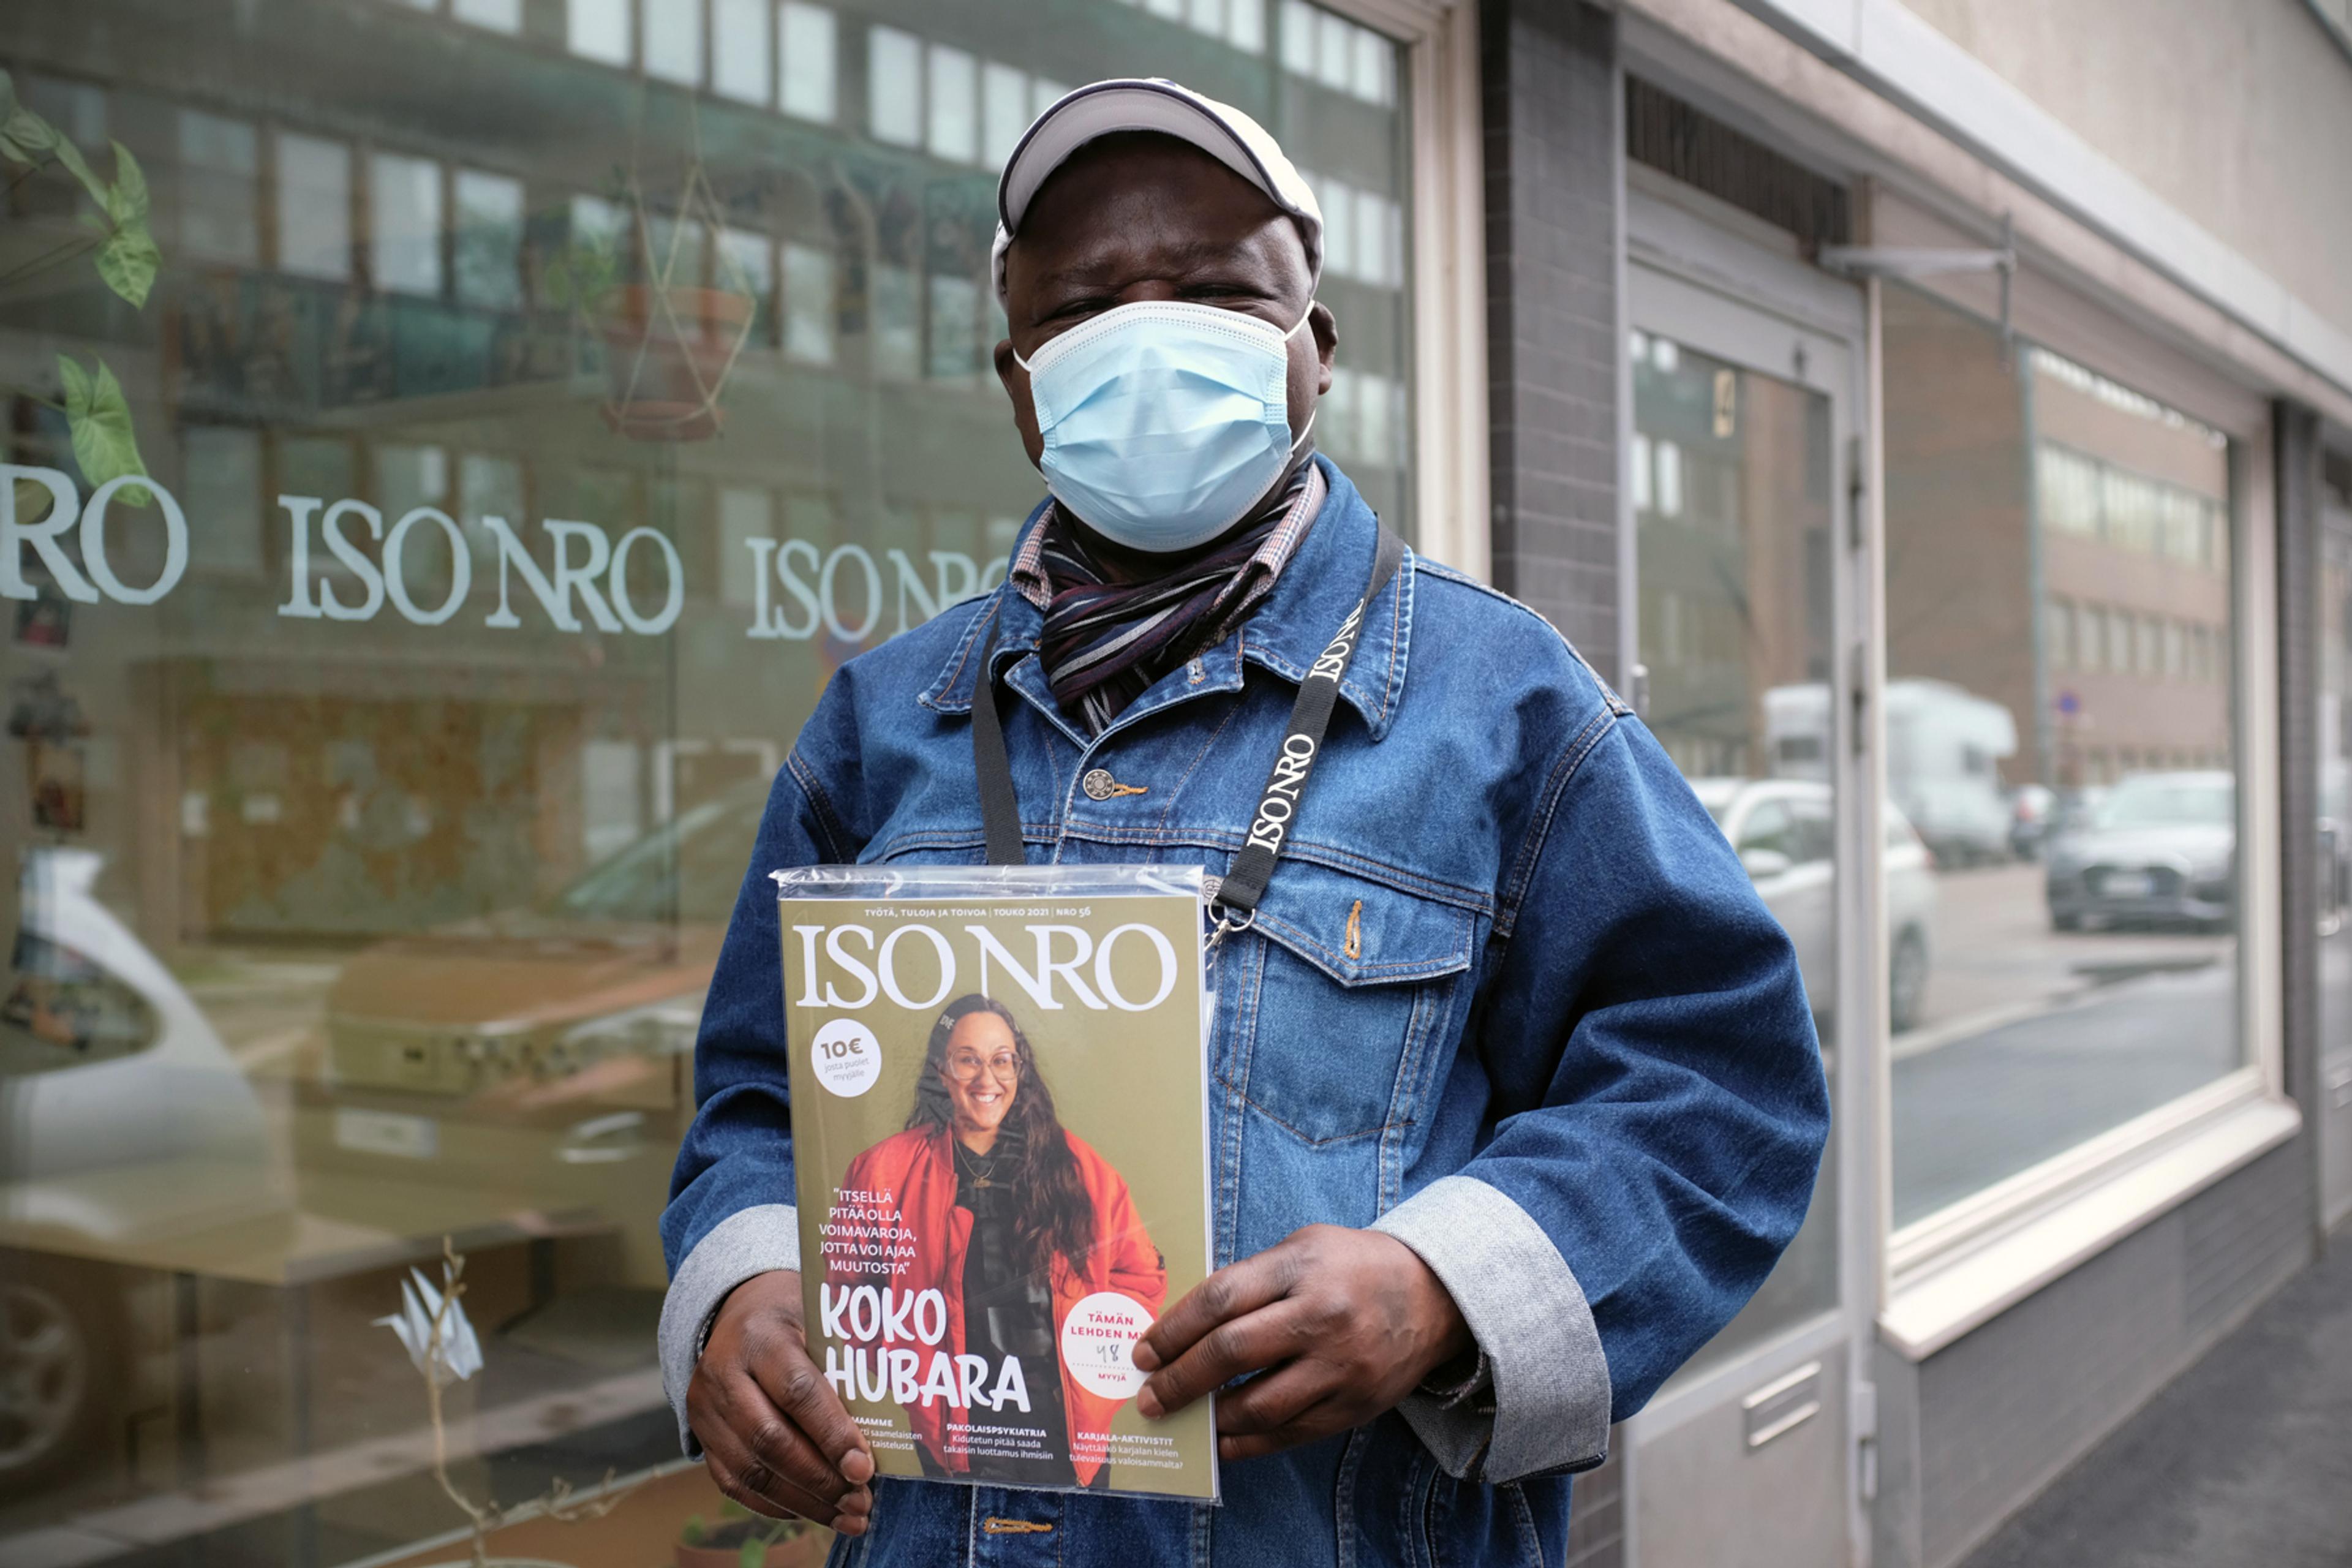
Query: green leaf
x=693, y=1531
x=126, y=199
x=24, y=135
x=98, y=415
x=129, y=258
x=754, y=1554
x=77, y=166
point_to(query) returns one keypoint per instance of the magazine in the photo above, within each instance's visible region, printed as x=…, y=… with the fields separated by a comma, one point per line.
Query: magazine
x=1000, y=1126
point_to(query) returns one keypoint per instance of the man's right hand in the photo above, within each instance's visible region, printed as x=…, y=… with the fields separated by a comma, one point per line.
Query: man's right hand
x=775, y=1437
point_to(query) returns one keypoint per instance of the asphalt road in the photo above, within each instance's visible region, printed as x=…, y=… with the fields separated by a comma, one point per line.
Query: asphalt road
x=2036, y=1040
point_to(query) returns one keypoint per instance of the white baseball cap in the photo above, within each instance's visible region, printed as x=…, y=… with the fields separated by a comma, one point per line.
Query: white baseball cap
x=1150, y=103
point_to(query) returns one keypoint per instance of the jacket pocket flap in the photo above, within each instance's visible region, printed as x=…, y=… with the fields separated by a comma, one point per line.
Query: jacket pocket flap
x=1362, y=932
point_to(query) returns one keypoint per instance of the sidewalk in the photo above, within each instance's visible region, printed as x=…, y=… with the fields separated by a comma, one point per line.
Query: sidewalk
x=2245, y=1460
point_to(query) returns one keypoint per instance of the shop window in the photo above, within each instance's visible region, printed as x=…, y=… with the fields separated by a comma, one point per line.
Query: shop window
x=897, y=332
x=219, y=178
x=808, y=304
x=598, y=30
x=416, y=810
x=742, y=63
x=747, y=266
x=488, y=238
x=2083, y=921
x=954, y=347
x=807, y=61
x=1728, y=574
x=314, y=206
x=1245, y=25
x=894, y=87
x=670, y=39
x=954, y=101
x=498, y=15
x=405, y=223
x=2058, y=634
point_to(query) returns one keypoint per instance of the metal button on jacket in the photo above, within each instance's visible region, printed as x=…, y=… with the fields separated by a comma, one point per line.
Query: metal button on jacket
x=1099, y=785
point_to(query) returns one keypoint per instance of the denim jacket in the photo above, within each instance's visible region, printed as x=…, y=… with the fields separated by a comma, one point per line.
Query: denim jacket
x=1509, y=997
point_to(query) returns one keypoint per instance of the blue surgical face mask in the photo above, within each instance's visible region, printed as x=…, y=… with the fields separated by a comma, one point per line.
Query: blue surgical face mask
x=1164, y=421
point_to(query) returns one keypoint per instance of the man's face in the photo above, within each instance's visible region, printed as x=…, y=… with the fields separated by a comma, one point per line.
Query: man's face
x=1136, y=216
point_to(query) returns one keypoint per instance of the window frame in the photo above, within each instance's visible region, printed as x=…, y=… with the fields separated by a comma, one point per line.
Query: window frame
x=1445, y=235
x=1952, y=1270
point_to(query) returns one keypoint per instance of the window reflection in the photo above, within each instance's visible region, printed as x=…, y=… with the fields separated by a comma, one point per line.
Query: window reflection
x=2059, y=733
x=403, y=828
x=1733, y=513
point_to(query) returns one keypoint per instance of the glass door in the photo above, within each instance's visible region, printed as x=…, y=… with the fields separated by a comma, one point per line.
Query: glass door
x=1739, y=604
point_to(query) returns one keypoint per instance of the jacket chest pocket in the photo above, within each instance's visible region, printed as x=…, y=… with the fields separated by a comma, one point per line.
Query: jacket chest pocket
x=1346, y=986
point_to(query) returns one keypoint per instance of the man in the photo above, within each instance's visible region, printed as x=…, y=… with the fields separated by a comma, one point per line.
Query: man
x=1515, y=1095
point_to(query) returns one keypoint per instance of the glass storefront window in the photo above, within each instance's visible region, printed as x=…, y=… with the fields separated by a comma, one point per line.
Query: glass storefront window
x=2059, y=733
x=1733, y=517
x=539, y=399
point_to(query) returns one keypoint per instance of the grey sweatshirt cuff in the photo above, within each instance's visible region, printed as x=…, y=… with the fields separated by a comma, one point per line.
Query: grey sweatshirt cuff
x=1548, y=1408
x=750, y=1241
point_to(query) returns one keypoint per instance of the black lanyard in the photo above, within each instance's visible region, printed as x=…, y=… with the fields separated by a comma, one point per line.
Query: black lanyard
x=1277, y=804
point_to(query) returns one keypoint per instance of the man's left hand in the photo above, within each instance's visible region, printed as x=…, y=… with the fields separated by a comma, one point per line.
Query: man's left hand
x=1349, y=1321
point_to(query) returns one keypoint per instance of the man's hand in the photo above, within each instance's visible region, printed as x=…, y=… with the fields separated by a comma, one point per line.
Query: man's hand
x=1350, y=1321
x=774, y=1436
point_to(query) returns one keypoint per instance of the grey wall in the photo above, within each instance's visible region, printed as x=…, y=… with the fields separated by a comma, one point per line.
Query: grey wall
x=1552, y=134
x=1978, y=1429
x=2296, y=431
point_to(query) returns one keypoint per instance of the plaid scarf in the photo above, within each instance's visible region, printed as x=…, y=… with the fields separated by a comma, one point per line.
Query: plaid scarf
x=1104, y=643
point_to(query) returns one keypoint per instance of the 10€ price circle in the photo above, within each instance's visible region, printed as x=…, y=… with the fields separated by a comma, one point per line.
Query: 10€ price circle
x=1098, y=1343
x=846, y=1058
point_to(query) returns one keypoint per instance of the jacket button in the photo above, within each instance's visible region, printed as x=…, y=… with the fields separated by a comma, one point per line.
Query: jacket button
x=1099, y=785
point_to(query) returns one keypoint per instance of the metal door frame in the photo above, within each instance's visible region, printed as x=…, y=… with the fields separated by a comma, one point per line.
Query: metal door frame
x=1695, y=281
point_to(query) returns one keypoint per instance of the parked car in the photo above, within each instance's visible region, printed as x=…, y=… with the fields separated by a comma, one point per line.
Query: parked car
x=130, y=1127
x=536, y=1059
x=2160, y=849
x=1784, y=830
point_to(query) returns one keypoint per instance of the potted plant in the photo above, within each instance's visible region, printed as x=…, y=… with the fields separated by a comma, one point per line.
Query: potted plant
x=668, y=348
x=670, y=343
x=433, y=1328
x=741, y=1539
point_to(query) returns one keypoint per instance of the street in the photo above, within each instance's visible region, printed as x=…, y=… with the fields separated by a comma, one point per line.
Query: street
x=2034, y=1039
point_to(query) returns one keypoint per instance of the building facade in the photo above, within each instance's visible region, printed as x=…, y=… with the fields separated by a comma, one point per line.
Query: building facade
x=451, y=443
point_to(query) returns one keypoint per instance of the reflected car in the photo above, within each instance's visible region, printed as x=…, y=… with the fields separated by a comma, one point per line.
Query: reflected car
x=2159, y=849
x=130, y=1127
x=537, y=1061
x=1783, y=831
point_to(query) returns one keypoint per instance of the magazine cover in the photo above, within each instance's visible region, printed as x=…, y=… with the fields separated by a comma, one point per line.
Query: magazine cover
x=1000, y=1123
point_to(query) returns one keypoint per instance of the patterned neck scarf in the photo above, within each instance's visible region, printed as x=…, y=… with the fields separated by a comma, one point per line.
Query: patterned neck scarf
x=1104, y=643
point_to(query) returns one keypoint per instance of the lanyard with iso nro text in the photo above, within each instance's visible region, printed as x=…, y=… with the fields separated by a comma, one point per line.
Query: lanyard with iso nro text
x=1236, y=901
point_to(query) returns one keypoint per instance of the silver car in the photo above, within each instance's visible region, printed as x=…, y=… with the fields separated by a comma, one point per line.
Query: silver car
x=2160, y=849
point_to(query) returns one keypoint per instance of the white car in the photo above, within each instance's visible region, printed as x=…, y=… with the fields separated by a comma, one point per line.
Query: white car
x=1784, y=833
x=129, y=1124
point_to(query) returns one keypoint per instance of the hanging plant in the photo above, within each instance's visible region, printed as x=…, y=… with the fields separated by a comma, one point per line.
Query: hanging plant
x=123, y=252
x=670, y=343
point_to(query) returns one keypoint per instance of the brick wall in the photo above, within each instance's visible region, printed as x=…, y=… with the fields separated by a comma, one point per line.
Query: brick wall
x=1552, y=131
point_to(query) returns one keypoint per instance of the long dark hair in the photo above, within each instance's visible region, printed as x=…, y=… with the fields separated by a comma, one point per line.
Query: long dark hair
x=1056, y=1215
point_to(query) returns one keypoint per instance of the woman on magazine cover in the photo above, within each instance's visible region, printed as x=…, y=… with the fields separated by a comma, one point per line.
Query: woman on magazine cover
x=1015, y=1220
